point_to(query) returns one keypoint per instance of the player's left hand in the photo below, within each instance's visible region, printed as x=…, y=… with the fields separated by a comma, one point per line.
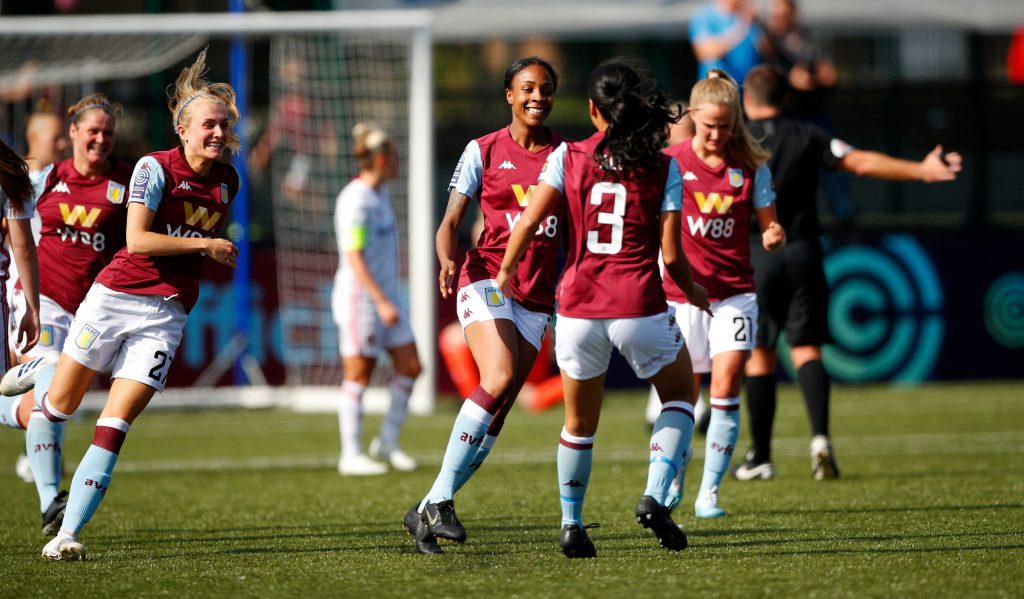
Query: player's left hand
x=773, y=237
x=937, y=166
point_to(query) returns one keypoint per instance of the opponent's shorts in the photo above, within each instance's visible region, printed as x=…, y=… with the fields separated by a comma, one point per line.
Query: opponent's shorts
x=360, y=329
x=792, y=295
x=483, y=300
x=733, y=328
x=583, y=346
x=54, y=322
x=133, y=336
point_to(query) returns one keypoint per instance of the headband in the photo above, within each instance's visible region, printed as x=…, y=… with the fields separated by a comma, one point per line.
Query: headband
x=177, y=117
x=101, y=105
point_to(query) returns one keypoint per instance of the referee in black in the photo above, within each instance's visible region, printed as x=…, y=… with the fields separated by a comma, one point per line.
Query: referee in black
x=792, y=293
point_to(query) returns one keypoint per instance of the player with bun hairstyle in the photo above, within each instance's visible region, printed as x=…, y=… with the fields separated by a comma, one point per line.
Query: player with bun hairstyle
x=725, y=179
x=366, y=306
x=81, y=206
x=132, y=319
x=504, y=330
x=622, y=200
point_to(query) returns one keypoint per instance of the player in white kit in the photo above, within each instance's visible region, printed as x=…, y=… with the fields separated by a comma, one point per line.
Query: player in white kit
x=367, y=307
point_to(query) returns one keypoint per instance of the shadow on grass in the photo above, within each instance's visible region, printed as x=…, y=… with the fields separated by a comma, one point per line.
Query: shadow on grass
x=887, y=509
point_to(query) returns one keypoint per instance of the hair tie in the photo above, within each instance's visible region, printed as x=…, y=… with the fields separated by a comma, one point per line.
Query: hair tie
x=177, y=117
x=101, y=105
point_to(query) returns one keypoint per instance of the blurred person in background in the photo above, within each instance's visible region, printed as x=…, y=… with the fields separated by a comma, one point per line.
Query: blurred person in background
x=81, y=208
x=792, y=291
x=725, y=35
x=367, y=307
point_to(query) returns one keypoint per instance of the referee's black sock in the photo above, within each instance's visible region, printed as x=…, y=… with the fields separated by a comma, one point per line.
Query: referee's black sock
x=815, y=384
x=761, y=409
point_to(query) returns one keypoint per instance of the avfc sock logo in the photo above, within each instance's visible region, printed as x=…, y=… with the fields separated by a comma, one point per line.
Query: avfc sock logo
x=87, y=337
x=573, y=484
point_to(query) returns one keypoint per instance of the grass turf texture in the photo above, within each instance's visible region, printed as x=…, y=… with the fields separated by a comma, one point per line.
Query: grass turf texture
x=248, y=503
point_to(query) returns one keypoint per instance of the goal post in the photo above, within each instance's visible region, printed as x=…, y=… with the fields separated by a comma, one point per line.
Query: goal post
x=80, y=51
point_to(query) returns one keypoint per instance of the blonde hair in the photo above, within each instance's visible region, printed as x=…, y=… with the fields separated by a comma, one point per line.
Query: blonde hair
x=191, y=86
x=369, y=141
x=718, y=88
x=92, y=102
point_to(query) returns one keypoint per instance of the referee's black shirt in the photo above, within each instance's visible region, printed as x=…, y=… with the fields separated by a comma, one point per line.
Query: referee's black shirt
x=798, y=150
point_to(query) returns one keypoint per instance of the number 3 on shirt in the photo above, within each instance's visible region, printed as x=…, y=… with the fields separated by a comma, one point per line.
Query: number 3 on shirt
x=613, y=218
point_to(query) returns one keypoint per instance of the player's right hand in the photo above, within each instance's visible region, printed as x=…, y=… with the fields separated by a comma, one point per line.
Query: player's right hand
x=938, y=166
x=388, y=313
x=698, y=297
x=223, y=251
x=446, y=277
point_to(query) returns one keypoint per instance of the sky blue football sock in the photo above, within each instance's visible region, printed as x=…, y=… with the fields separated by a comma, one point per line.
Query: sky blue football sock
x=575, y=458
x=723, y=433
x=9, y=411
x=478, y=460
x=400, y=389
x=92, y=478
x=43, y=447
x=673, y=430
x=466, y=438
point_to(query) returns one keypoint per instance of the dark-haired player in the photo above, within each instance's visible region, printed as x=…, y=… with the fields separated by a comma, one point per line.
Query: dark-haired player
x=621, y=198
x=503, y=331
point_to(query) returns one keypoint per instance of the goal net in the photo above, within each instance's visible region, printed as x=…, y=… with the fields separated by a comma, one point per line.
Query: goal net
x=326, y=72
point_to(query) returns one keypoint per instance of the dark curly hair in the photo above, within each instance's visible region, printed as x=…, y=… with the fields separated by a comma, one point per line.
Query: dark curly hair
x=514, y=68
x=14, y=178
x=638, y=116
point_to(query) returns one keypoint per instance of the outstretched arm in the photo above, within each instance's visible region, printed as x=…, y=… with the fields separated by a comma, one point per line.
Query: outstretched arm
x=933, y=168
x=542, y=202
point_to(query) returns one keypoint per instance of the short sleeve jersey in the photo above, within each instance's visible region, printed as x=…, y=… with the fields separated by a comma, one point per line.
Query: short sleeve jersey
x=613, y=228
x=82, y=226
x=186, y=204
x=7, y=209
x=717, y=207
x=501, y=174
x=799, y=150
x=364, y=220
x=710, y=21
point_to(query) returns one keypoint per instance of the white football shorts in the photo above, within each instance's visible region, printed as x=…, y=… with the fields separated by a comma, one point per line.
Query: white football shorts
x=360, y=330
x=483, y=300
x=54, y=322
x=733, y=328
x=133, y=336
x=583, y=346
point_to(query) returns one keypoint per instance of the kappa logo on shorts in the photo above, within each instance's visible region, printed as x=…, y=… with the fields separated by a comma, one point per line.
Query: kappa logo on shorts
x=46, y=335
x=494, y=296
x=87, y=337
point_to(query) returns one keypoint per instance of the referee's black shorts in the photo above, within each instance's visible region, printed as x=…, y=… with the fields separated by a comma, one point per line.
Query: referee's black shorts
x=792, y=294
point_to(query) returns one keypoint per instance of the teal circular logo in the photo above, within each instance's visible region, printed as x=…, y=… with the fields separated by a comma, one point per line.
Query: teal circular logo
x=1004, y=310
x=885, y=312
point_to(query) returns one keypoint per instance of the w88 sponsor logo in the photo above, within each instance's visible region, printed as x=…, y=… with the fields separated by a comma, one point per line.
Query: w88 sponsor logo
x=714, y=228
x=547, y=227
x=97, y=241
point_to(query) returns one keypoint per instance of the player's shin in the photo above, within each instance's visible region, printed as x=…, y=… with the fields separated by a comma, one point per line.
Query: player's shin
x=467, y=435
x=92, y=478
x=574, y=459
x=673, y=431
x=723, y=432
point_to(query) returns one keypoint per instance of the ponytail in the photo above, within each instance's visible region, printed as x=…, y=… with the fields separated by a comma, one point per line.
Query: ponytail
x=638, y=116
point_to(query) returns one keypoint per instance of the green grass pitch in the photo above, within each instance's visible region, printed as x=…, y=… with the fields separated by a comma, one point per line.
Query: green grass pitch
x=248, y=504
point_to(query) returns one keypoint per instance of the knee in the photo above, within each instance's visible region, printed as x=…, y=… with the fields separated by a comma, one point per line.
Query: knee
x=412, y=370
x=498, y=381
